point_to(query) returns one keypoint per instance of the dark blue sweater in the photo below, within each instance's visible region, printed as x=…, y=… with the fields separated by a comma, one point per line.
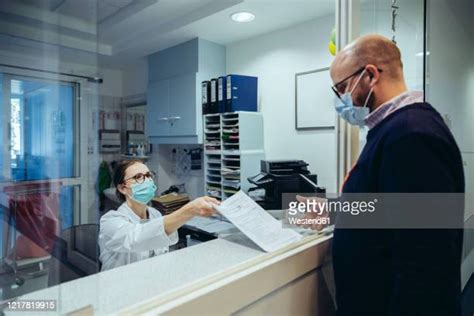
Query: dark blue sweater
x=402, y=271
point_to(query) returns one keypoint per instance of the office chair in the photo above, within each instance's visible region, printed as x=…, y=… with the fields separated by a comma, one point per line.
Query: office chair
x=75, y=254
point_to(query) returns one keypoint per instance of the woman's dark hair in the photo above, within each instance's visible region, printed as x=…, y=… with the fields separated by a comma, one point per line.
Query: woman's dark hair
x=119, y=175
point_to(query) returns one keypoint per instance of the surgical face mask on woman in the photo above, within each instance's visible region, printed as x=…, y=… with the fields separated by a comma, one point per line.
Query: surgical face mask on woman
x=143, y=192
x=354, y=115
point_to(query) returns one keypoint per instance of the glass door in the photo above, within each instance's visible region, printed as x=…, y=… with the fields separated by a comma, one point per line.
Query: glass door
x=41, y=129
x=40, y=182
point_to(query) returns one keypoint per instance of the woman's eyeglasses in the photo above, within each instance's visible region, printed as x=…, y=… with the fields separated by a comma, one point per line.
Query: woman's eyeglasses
x=140, y=177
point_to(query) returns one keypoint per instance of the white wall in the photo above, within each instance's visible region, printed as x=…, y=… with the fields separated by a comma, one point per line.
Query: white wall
x=275, y=58
x=112, y=85
x=135, y=78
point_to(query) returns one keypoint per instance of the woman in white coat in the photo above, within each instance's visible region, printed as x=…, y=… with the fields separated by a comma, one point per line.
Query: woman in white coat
x=136, y=231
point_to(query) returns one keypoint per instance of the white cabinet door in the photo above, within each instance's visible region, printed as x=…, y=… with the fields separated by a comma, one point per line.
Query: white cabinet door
x=158, y=108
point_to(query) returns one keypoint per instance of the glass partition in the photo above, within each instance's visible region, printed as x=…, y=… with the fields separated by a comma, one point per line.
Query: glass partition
x=404, y=24
x=67, y=70
x=402, y=21
x=436, y=39
x=450, y=89
x=49, y=90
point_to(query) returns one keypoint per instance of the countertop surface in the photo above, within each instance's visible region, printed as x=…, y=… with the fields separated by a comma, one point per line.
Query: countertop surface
x=115, y=289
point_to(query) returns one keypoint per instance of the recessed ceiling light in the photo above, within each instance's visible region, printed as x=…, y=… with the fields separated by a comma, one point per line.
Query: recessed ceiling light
x=242, y=17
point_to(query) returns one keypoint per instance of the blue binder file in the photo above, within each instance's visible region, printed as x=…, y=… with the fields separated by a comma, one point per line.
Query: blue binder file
x=206, y=94
x=241, y=93
x=221, y=93
x=214, y=106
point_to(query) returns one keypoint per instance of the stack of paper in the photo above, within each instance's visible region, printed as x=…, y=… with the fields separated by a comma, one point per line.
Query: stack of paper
x=214, y=161
x=231, y=183
x=169, y=203
x=230, y=130
x=213, y=145
x=226, y=171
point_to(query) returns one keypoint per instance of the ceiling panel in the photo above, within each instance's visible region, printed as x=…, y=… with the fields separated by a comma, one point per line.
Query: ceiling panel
x=218, y=27
x=132, y=29
x=153, y=19
x=49, y=5
x=270, y=15
x=107, y=8
x=91, y=10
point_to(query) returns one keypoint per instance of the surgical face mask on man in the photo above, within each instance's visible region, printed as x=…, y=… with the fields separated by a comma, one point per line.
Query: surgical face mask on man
x=143, y=192
x=354, y=115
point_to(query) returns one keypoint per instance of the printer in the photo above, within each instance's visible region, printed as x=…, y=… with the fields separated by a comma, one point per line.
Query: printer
x=282, y=176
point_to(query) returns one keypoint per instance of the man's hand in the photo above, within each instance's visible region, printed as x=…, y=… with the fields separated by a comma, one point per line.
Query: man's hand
x=319, y=212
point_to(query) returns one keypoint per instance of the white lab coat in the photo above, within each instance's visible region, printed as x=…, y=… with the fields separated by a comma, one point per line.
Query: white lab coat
x=125, y=238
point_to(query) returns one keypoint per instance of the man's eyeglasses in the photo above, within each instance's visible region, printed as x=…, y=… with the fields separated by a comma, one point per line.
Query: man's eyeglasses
x=339, y=88
x=140, y=177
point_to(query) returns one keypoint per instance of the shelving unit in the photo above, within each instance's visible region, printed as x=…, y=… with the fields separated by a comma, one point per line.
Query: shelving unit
x=233, y=149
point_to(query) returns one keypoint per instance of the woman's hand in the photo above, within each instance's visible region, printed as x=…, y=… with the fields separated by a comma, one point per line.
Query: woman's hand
x=203, y=206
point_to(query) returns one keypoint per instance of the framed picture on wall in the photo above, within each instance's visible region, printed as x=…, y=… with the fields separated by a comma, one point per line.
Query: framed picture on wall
x=314, y=100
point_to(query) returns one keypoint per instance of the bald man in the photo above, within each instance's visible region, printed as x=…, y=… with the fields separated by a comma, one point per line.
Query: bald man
x=409, y=149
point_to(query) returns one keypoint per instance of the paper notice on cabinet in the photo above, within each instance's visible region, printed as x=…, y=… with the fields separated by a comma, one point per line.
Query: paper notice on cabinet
x=256, y=223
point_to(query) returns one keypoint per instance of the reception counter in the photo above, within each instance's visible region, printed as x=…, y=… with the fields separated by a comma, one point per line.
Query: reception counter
x=222, y=276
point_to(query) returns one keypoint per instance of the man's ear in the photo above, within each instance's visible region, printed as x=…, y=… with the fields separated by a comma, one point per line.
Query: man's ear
x=373, y=74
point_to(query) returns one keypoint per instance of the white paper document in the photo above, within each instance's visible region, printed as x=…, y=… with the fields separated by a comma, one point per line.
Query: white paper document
x=209, y=224
x=256, y=223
